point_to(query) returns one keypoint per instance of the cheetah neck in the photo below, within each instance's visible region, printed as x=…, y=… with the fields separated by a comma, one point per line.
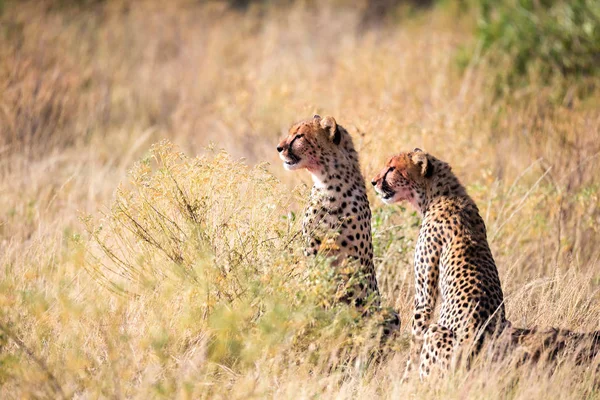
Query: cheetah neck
x=444, y=185
x=339, y=179
x=339, y=202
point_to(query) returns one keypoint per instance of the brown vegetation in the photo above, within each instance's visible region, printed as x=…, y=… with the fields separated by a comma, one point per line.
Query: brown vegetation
x=86, y=91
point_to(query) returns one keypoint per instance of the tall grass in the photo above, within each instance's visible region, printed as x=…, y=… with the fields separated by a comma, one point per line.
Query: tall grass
x=132, y=270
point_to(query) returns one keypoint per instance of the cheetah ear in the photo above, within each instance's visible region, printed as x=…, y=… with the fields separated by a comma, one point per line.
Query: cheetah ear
x=328, y=123
x=316, y=116
x=422, y=161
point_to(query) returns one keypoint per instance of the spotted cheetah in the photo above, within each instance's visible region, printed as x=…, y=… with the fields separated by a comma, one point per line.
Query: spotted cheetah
x=452, y=257
x=337, y=220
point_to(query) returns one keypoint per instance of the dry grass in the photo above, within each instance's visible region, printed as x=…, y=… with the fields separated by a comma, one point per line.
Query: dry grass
x=195, y=287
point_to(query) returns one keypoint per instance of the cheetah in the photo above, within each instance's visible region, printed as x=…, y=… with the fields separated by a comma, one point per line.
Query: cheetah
x=337, y=220
x=452, y=257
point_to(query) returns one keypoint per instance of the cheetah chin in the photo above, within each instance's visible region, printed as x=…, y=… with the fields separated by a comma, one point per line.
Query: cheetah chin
x=290, y=163
x=387, y=194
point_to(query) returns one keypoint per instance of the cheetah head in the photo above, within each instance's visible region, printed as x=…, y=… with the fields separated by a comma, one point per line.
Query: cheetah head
x=308, y=141
x=405, y=177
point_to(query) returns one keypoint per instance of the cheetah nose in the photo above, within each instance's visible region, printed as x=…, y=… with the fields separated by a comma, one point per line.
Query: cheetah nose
x=374, y=183
x=279, y=149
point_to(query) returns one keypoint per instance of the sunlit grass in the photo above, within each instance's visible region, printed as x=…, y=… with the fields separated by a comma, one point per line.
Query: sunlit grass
x=140, y=270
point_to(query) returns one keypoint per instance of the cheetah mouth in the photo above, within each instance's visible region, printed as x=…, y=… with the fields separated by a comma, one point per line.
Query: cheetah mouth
x=386, y=191
x=291, y=160
x=385, y=194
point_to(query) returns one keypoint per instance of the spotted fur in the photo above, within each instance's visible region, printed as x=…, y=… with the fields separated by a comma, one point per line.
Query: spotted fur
x=337, y=220
x=452, y=256
x=546, y=345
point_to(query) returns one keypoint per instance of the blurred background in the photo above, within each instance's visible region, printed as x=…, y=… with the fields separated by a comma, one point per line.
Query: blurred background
x=75, y=73
x=506, y=91
x=494, y=87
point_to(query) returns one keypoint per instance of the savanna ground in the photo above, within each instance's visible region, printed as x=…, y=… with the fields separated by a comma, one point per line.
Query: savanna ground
x=143, y=270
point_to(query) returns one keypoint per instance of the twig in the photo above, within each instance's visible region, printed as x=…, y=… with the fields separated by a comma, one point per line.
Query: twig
x=41, y=363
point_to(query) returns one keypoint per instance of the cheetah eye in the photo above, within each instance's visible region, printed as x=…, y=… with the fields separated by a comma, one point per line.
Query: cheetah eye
x=299, y=136
x=391, y=169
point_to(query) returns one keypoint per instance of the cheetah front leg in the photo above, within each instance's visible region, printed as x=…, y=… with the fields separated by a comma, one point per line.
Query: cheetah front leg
x=438, y=349
x=426, y=293
x=421, y=319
